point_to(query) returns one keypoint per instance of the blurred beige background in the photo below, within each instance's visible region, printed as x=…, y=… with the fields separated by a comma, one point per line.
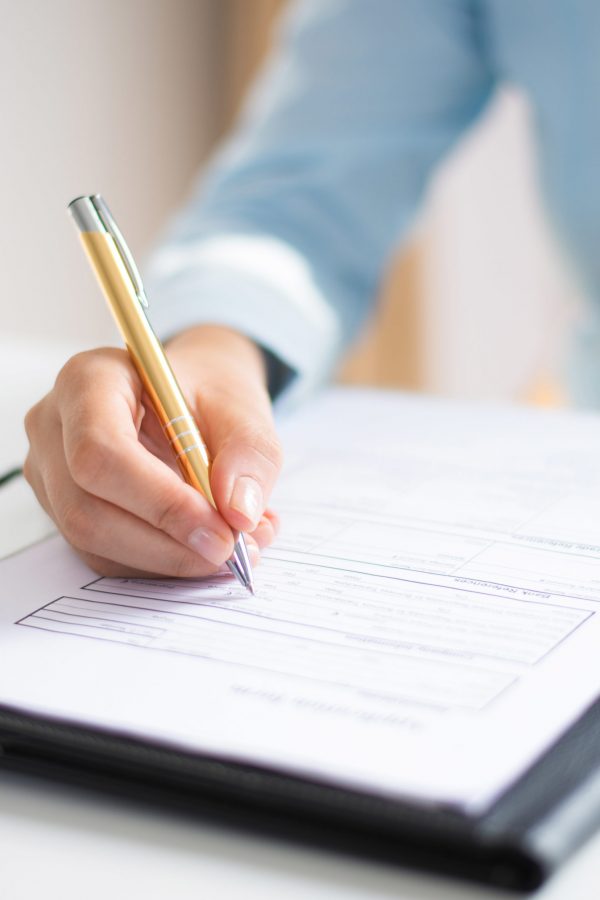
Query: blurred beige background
x=130, y=97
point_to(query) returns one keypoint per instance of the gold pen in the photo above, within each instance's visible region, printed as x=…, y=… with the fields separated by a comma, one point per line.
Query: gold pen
x=120, y=280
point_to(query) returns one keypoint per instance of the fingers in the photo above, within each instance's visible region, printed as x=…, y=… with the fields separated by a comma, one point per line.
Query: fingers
x=105, y=457
x=101, y=529
x=246, y=463
x=266, y=531
x=233, y=410
x=108, y=495
x=111, y=569
x=99, y=463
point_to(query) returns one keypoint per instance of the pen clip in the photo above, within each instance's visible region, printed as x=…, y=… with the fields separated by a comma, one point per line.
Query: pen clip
x=112, y=228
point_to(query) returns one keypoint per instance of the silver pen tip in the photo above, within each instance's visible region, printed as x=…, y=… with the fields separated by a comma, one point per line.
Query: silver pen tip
x=239, y=566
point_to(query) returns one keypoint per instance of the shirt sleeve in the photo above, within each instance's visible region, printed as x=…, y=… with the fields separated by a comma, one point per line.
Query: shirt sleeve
x=288, y=233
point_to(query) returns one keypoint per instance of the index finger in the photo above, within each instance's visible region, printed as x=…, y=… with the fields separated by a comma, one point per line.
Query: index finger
x=106, y=458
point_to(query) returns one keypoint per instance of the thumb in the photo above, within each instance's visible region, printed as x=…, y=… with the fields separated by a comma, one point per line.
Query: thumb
x=233, y=410
x=246, y=462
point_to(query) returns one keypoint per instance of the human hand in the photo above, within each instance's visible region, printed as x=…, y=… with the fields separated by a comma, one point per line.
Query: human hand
x=102, y=469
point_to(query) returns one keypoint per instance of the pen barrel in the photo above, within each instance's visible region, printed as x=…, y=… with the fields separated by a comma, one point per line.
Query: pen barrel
x=149, y=359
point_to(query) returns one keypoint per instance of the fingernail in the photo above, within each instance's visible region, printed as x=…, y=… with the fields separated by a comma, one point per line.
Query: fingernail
x=247, y=498
x=209, y=545
x=273, y=522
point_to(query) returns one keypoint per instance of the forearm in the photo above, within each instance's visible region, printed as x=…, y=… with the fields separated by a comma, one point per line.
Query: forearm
x=287, y=238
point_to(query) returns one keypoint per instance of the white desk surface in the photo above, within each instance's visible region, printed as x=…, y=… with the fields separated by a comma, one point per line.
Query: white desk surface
x=58, y=842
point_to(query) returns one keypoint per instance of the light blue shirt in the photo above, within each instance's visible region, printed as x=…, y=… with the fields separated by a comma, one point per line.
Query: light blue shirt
x=288, y=235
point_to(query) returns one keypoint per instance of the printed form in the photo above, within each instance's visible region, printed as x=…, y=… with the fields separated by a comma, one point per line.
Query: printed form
x=426, y=625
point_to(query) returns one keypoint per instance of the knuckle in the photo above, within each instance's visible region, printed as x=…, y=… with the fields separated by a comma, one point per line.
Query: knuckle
x=74, y=369
x=263, y=443
x=31, y=419
x=85, y=367
x=90, y=459
x=168, y=513
x=28, y=469
x=270, y=449
x=77, y=525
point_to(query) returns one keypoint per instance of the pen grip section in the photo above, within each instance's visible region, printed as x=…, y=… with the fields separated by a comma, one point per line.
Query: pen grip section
x=190, y=452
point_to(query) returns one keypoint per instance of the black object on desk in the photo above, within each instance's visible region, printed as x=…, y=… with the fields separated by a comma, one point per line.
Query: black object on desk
x=5, y=477
x=517, y=844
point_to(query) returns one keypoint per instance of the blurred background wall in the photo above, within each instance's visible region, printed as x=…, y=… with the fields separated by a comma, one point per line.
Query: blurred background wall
x=118, y=96
x=129, y=97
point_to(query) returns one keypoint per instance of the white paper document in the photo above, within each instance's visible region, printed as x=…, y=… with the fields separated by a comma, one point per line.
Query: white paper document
x=425, y=626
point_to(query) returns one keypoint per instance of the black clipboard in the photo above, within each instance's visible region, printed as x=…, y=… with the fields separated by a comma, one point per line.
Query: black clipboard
x=516, y=845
